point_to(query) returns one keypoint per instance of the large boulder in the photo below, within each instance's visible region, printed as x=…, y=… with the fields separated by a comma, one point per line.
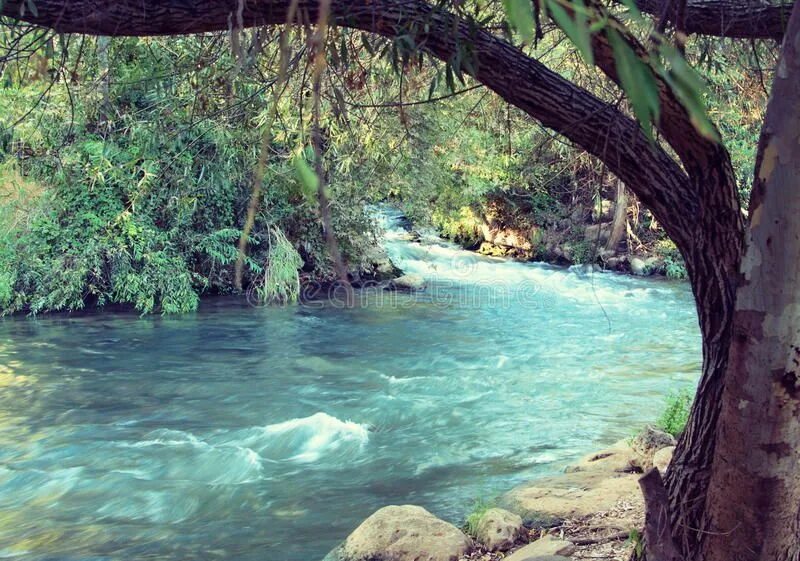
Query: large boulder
x=662, y=459
x=597, y=233
x=547, y=502
x=639, y=266
x=650, y=441
x=408, y=283
x=402, y=533
x=544, y=548
x=617, y=458
x=377, y=265
x=507, y=237
x=498, y=529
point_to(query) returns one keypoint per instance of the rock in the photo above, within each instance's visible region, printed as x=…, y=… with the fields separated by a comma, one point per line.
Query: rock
x=408, y=283
x=620, y=457
x=547, y=502
x=604, y=210
x=638, y=266
x=498, y=529
x=402, y=533
x=376, y=265
x=650, y=441
x=654, y=264
x=492, y=250
x=662, y=458
x=598, y=233
x=544, y=548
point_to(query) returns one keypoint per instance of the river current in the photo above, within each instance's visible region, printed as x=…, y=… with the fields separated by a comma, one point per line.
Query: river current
x=254, y=433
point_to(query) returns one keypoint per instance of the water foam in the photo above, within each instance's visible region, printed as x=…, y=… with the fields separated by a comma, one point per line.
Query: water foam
x=312, y=437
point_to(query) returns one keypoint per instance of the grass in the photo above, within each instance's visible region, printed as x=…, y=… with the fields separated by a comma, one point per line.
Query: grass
x=676, y=413
x=281, y=281
x=479, y=508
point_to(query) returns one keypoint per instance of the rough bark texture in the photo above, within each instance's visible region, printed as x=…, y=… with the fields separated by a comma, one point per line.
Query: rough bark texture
x=755, y=19
x=695, y=200
x=754, y=494
x=659, y=543
x=743, y=19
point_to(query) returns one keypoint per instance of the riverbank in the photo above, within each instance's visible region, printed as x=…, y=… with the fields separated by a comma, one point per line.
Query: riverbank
x=594, y=509
x=605, y=235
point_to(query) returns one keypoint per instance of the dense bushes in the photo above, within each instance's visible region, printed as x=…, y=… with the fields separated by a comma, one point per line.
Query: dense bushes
x=129, y=179
x=141, y=197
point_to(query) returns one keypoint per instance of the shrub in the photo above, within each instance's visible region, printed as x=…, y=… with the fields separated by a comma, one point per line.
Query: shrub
x=674, y=266
x=676, y=413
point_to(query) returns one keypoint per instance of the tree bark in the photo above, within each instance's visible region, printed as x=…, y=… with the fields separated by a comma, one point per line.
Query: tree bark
x=742, y=19
x=753, y=502
x=659, y=543
x=738, y=19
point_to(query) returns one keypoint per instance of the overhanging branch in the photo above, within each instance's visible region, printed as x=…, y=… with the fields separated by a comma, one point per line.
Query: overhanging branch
x=736, y=19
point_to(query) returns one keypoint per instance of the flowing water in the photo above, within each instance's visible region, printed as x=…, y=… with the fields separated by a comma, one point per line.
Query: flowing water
x=249, y=433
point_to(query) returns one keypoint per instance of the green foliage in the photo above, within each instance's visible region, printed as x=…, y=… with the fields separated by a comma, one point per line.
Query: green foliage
x=577, y=28
x=462, y=226
x=146, y=194
x=583, y=251
x=281, y=282
x=674, y=266
x=676, y=413
x=479, y=508
x=520, y=16
x=636, y=539
x=637, y=80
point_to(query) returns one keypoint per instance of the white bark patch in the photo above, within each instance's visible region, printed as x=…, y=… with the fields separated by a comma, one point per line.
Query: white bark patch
x=752, y=260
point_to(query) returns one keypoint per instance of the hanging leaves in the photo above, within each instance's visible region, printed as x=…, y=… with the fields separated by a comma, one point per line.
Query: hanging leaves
x=637, y=81
x=577, y=28
x=519, y=14
x=688, y=87
x=309, y=182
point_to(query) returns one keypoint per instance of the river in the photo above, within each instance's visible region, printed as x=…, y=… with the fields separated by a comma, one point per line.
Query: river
x=253, y=433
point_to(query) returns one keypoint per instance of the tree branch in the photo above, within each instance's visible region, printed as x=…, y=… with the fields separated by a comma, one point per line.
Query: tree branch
x=736, y=19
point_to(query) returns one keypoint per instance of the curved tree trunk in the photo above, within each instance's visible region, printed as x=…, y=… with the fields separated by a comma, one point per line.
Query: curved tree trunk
x=696, y=200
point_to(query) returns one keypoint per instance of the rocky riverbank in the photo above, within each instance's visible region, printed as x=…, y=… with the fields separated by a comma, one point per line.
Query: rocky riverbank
x=609, y=233
x=592, y=510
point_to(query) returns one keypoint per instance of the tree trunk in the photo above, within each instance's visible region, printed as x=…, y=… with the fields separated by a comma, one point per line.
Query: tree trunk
x=712, y=267
x=753, y=505
x=620, y=218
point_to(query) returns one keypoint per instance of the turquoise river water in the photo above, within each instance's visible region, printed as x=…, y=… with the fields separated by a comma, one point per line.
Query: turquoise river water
x=250, y=433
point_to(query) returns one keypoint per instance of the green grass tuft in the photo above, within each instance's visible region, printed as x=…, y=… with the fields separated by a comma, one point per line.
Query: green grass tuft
x=479, y=508
x=676, y=413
